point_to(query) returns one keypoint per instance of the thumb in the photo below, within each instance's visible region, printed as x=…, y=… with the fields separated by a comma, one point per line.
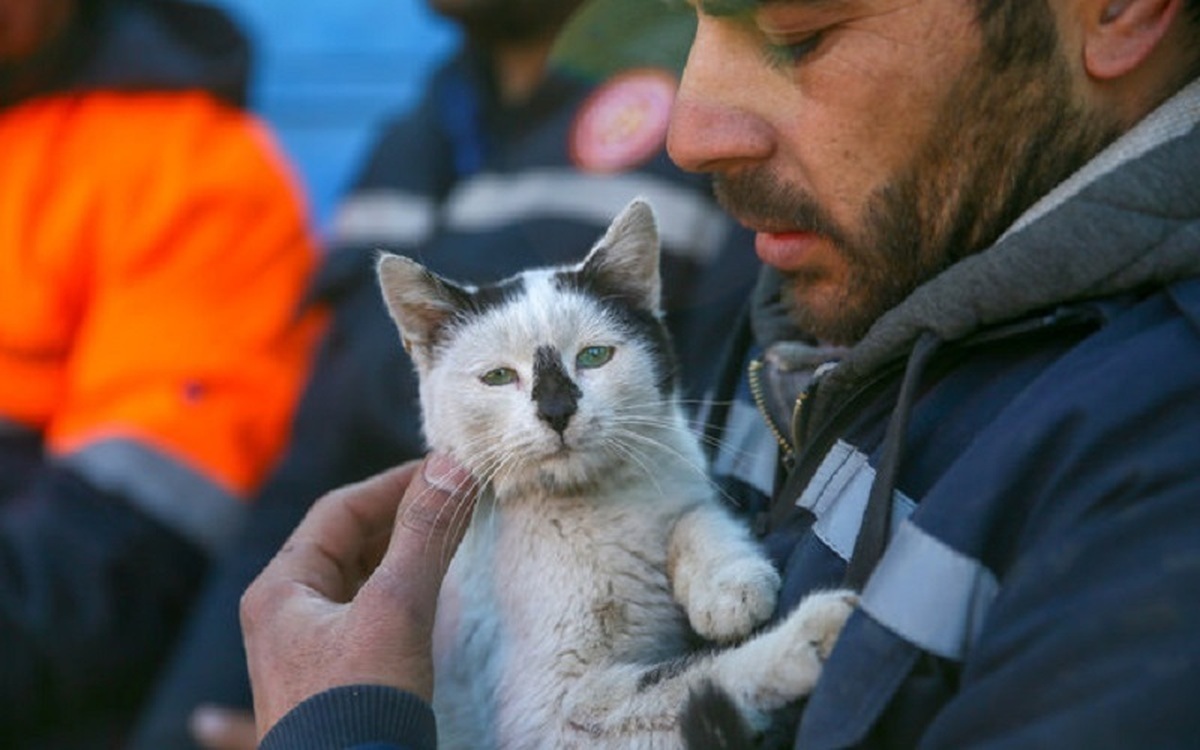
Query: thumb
x=437, y=504
x=429, y=526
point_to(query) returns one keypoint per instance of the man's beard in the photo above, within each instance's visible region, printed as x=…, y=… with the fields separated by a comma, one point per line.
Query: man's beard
x=1002, y=139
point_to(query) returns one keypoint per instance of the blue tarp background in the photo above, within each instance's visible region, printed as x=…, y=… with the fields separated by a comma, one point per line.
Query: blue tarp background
x=327, y=72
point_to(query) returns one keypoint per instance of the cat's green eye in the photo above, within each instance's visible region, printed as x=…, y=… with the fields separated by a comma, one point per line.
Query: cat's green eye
x=594, y=356
x=499, y=376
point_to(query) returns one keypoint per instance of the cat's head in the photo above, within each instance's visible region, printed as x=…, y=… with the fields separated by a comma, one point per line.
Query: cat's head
x=547, y=378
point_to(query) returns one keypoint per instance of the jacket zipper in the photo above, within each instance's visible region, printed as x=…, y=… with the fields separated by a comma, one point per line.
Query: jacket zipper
x=760, y=402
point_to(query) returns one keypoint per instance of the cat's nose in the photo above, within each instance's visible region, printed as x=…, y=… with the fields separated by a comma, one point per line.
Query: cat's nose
x=557, y=400
x=556, y=395
x=557, y=414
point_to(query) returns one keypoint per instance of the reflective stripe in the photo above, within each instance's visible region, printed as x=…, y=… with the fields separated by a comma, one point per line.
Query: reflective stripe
x=687, y=220
x=384, y=217
x=837, y=495
x=748, y=450
x=930, y=594
x=170, y=492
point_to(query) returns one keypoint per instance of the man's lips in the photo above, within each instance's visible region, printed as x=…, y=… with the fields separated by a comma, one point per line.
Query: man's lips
x=786, y=251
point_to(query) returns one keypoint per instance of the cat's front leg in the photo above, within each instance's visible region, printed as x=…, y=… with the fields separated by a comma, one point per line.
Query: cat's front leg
x=725, y=583
x=630, y=706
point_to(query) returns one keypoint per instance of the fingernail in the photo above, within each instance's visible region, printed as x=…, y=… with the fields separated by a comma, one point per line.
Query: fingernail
x=445, y=473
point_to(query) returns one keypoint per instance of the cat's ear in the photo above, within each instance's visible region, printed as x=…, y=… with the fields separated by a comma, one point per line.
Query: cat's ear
x=419, y=301
x=626, y=258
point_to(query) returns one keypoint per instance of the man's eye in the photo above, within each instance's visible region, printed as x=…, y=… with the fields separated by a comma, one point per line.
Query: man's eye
x=593, y=356
x=786, y=55
x=499, y=376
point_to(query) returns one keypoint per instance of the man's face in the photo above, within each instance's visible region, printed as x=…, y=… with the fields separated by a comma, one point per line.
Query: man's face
x=871, y=143
x=507, y=20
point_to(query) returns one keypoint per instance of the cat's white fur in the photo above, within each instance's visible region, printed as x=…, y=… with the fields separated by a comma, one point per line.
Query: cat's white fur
x=590, y=551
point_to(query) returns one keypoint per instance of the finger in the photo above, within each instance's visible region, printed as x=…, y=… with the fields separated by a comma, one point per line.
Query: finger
x=330, y=550
x=432, y=520
x=216, y=728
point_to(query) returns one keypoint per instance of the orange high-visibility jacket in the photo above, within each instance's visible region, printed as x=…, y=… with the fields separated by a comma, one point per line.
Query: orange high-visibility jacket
x=154, y=249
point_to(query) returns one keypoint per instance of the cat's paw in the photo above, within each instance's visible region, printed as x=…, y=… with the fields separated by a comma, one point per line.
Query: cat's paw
x=790, y=657
x=730, y=604
x=823, y=615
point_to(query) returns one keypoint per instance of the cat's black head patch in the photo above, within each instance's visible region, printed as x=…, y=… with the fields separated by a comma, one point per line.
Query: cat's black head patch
x=637, y=322
x=475, y=303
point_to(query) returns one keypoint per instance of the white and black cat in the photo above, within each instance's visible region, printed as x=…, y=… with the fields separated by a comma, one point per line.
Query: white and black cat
x=598, y=544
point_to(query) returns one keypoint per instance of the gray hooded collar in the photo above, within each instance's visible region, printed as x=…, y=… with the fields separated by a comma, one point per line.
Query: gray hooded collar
x=1128, y=219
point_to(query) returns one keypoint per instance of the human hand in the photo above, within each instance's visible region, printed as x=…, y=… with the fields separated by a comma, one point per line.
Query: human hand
x=217, y=728
x=350, y=598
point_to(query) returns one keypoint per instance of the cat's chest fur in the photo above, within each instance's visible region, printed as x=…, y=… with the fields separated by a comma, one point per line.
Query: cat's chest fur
x=546, y=589
x=586, y=569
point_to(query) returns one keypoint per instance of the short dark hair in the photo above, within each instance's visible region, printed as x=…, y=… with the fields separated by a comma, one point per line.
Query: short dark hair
x=1022, y=31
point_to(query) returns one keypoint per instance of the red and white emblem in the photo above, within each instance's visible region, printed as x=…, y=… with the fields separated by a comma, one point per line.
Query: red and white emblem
x=624, y=122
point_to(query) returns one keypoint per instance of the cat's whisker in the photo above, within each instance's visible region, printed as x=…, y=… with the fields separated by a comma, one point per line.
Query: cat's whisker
x=631, y=453
x=701, y=469
x=438, y=518
x=724, y=445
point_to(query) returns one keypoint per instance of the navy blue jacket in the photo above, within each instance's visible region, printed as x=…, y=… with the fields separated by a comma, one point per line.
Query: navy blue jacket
x=1005, y=466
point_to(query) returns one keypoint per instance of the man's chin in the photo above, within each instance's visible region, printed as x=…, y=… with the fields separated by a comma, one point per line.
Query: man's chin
x=828, y=318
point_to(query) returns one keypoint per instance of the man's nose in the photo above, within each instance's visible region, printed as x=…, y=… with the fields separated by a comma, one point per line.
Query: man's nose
x=714, y=122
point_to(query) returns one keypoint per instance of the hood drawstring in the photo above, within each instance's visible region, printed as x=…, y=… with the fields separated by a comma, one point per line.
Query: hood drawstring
x=876, y=526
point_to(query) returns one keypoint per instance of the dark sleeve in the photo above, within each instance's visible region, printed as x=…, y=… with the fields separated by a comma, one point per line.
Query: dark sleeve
x=357, y=716
x=92, y=592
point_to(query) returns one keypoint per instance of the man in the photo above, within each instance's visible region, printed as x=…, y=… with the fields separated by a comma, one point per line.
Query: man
x=154, y=249
x=994, y=205
x=510, y=161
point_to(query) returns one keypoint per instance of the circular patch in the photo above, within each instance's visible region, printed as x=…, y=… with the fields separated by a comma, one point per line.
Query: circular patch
x=624, y=122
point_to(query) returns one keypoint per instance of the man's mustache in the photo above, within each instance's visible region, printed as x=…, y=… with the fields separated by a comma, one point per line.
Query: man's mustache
x=764, y=203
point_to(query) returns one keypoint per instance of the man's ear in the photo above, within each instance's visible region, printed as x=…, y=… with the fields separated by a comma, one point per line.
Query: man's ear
x=1122, y=34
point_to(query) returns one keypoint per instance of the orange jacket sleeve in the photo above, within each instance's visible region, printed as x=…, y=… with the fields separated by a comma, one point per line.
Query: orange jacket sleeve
x=153, y=252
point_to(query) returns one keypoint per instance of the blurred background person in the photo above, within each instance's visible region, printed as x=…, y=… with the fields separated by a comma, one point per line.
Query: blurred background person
x=519, y=154
x=154, y=248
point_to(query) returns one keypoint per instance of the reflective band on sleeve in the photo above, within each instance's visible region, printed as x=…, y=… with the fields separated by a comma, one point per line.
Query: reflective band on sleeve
x=929, y=593
x=837, y=495
x=687, y=220
x=386, y=217
x=173, y=494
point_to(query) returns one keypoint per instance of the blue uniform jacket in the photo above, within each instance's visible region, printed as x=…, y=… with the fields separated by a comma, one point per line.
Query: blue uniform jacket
x=1006, y=466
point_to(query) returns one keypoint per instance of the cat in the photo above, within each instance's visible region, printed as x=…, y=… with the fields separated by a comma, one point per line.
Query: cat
x=598, y=548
